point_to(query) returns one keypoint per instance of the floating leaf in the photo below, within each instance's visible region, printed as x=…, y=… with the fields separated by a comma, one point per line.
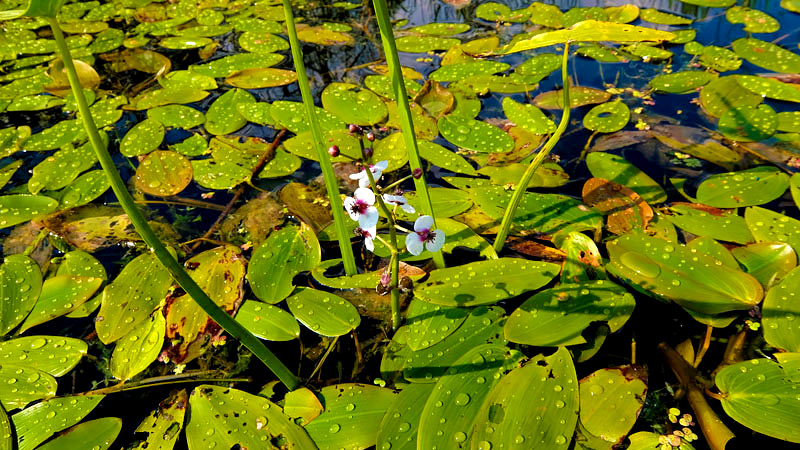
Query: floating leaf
x=262, y=43
x=184, y=43
x=323, y=313
x=86, y=188
x=444, y=158
x=547, y=175
x=20, y=285
x=675, y=272
x=617, y=169
x=259, y=113
x=303, y=405
x=459, y=394
x=277, y=260
x=767, y=55
x=455, y=72
x=143, y=138
x=422, y=44
x=707, y=221
x=97, y=434
x=681, y=82
x=223, y=116
x=559, y=316
x=578, y=96
x=60, y=134
x=762, y=395
x=770, y=87
x=429, y=323
x=622, y=389
x=177, y=116
x=23, y=385
x=754, y=21
x=224, y=67
x=528, y=117
x=647, y=52
x=506, y=416
x=748, y=123
x=440, y=29
x=60, y=295
x=163, y=426
x=474, y=134
x=625, y=208
x=662, y=18
x=267, y=321
x=163, y=97
x=37, y=423
x=770, y=226
x=249, y=421
x=401, y=421
x=16, y=209
x=607, y=117
x=50, y=354
x=462, y=285
x=323, y=36
x=260, y=77
x=589, y=31
x=131, y=297
x=765, y=261
x=722, y=94
x=135, y=351
x=357, y=107
x=163, y=173
x=352, y=415
x=749, y=187
x=497, y=12
x=292, y=116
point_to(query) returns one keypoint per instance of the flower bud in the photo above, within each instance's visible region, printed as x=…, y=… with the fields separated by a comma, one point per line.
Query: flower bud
x=370, y=136
x=417, y=173
x=368, y=152
x=333, y=150
x=355, y=129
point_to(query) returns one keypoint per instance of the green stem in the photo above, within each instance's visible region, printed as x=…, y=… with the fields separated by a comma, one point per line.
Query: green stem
x=183, y=279
x=331, y=184
x=395, y=261
x=522, y=186
x=407, y=124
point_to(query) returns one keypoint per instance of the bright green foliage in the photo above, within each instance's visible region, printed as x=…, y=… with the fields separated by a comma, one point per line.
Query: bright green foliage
x=401, y=421
x=60, y=295
x=767, y=55
x=762, y=395
x=223, y=116
x=748, y=123
x=84, y=189
x=50, y=354
x=617, y=169
x=722, y=94
x=261, y=43
x=223, y=67
x=322, y=312
x=261, y=77
x=222, y=418
x=267, y=321
x=358, y=107
x=429, y=323
x=766, y=262
x=442, y=157
x=749, y=187
x=474, y=134
x=681, y=82
x=558, y=316
x=277, y=260
x=780, y=316
x=440, y=29
x=143, y=138
x=23, y=385
x=548, y=175
x=496, y=12
x=770, y=226
x=528, y=117
x=549, y=424
x=484, y=282
x=770, y=87
x=662, y=18
x=20, y=285
x=37, y=423
x=754, y=21
x=455, y=72
x=422, y=44
x=163, y=173
x=675, y=272
x=135, y=351
x=164, y=425
x=607, y=117
x=96, y=434
x=16, y=209
x=722, y=225
x=459, y=394
x=621, y=390
x=578, y=96
x=352, y=415
x=177, y=116
x=131, y=297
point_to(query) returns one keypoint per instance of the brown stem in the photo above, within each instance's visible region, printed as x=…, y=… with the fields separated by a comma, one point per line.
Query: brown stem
x=262, y=161
x=703, y=346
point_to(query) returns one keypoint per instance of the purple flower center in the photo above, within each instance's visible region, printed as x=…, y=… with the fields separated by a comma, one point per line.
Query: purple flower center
x=427, y=235
x=360, y=207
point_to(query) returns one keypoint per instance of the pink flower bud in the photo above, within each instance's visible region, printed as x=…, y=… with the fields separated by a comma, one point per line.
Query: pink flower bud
x=370, y=136
x=417, y=173
x=333, y=150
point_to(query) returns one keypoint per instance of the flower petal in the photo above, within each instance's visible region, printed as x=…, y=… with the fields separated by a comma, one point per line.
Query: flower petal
x=369, y=244
x=438, y=241
x=363, y=182
x=366, y=195
x=423, y=223
x=414, y=244
x=359, y=175
x=381, y=166
x=408, y=208
x=369, y=235
x=369, y=219
x=349, y=202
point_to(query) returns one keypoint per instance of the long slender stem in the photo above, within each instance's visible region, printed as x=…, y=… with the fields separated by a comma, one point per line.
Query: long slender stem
x=403, y=108
x=331, y=185
x=522, y=186
x=140, y=223
x=395, y=261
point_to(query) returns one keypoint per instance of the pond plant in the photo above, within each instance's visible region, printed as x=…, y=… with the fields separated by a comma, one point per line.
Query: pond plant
x=639, y=292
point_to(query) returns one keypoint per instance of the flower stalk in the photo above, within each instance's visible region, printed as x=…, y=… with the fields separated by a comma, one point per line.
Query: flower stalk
x=331, y=185
x=522, y=186
x=403, y=108
x=175, y=269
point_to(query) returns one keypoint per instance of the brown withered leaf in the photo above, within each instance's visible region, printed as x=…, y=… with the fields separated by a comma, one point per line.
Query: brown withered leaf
x=309, y=204
x=525, y=143
x=139, y=59
x=256, y=218
x=536, y=250
x=619, y=139
x=626, y=210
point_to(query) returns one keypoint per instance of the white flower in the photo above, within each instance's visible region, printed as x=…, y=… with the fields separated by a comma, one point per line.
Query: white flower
x=432, y=240
x=368, y=234
x=360, y=208
x=400, y=201
x=377, y=171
